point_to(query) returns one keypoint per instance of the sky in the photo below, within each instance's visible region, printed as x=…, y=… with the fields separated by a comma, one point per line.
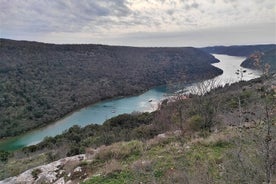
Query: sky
x=151, y=23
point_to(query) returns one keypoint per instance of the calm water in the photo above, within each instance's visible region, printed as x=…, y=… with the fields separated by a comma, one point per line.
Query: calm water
x=146, y=102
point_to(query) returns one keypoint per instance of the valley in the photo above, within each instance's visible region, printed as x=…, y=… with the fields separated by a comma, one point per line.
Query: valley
x=41, y=83
x=100, y=112
x=238, y=112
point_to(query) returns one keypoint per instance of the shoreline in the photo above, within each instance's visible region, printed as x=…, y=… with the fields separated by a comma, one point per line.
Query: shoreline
x=51, y=123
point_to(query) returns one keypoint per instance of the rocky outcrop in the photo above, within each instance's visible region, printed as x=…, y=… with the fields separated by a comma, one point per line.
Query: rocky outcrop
x=63, y=171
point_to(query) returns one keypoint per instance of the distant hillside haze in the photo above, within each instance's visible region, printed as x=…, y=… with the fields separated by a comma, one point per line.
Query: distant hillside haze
x=242, y=50
x=40, y=83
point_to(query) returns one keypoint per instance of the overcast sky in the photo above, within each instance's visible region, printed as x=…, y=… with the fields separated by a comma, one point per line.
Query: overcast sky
x=140, y=22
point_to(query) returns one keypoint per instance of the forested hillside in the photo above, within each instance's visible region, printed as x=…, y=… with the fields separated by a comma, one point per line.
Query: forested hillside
x=40, y=83
x=261, y=60
x=241, y=50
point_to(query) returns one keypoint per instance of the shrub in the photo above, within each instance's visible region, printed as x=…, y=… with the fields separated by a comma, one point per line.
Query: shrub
x=4, y=155
x=195, y=122
x=142, y=166
x=120, y=150
x=112, y=166
x=75, y=150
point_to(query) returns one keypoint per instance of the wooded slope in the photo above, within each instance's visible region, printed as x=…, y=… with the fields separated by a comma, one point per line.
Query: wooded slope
x=40, y=83
x=239, y=50
x=268, y=57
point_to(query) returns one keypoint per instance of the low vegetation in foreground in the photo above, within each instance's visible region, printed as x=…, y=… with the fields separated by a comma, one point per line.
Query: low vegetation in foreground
x=223, y=136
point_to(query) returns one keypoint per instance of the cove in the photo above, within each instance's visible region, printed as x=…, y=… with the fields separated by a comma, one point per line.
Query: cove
x=146, y=102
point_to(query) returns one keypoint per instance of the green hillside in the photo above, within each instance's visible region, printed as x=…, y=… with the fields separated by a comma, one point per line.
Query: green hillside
x=40, y=83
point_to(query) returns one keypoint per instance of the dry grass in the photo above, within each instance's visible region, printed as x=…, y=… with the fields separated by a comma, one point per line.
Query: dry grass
x=112, y=166
x=142, y=166
x=119, y=150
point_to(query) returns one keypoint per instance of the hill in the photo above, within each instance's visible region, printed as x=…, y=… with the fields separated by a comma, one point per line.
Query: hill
x=268, y=57
x=224, y=136
x=238, y=50
x=40, y=83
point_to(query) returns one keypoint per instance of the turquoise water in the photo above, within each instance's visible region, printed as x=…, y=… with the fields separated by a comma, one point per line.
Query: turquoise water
x=146, y=102
x=96, y=114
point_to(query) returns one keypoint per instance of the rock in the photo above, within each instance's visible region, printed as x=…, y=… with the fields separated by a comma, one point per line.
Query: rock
x=60, y=181
x=49, y=172
x=77, y=169
x=69, y=182
x=161, y=136
x=177, y=132
x=95, y=175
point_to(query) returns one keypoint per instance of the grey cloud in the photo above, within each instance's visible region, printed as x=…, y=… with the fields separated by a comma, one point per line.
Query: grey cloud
x=170, y=11
x=193, y=5
x=58, y=15
x=78, y=19
x=230, y=1
x=235, y=35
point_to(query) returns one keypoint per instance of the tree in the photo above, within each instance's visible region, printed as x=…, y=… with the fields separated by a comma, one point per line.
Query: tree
x=205, y=104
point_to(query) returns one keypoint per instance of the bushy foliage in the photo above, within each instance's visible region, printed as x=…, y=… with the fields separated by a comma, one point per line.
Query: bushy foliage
x=4, y=155
x=124, y=127
x=196, y=122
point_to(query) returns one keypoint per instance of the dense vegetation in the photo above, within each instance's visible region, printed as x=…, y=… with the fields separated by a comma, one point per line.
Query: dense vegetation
x=241, y=50
x=223, y=136
x=258, y=60
x=124, y=127
x=40, y=83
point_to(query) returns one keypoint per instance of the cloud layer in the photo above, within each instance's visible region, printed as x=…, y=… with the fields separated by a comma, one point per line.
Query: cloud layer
x=140, y=22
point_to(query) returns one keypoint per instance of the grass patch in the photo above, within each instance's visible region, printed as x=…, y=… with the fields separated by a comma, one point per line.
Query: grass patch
x=122, y=177
x=120, y=151
x=16, y=166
